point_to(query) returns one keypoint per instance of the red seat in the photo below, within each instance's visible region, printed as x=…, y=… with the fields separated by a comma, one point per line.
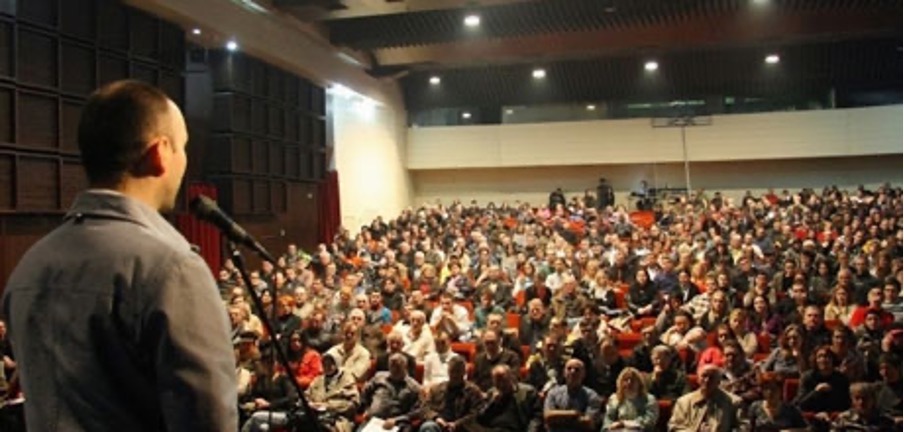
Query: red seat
x=620, y=299
x=665, y=413
x=525, y=352
x=790, y=390
x=419, y=372
x=640, y=323
x=513, y=320
x=832, y=324
x=627, y=341
x=693, y=382
x=764, y=343
x=465, y=349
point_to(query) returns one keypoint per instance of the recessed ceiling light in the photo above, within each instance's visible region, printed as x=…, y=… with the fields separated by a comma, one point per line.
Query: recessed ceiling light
x=539, y=73
x=472, y=20
x=196, y=31
x=772, y=58
x=232, y=45
x=465, y=115
x=591, y=107
x=651, y=66
x=434, y=80
x=509, y=111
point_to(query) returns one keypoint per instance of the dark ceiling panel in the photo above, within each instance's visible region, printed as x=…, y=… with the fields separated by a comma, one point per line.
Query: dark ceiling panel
x=872, y=63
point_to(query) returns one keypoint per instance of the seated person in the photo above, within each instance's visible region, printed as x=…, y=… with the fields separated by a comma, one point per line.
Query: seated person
x=631, y=407
x=571, y=406
x=436, y=363
x=823, y=389
x=787, y=358
x=418, y=341
x=667, y=381
x=493, y=355
x=509, y=338
x=607, y=366
x=353, y=357
x=640, y=356
x=709, y=408
x=772, y=414
x=546, y=368
x=452, y=402
x=864, y=414
x=451, y=318
x=511, y=406
x=890, y=387
x=534, y=324
x=334, y=395
x=395, y=342
x=739, y=376
x=392, y=396
x=483, y=310
x=305, y=361
x=270, y=398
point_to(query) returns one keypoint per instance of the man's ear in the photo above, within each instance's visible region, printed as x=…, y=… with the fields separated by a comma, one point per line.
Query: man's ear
x=154, y=157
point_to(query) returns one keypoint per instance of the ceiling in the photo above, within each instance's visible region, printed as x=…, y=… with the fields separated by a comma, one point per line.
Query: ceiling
x=596, y=49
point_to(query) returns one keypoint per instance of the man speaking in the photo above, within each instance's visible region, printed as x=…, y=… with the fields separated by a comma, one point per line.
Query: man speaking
x=115, y=322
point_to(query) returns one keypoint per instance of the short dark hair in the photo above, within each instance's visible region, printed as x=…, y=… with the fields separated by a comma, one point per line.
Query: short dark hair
x=114, y=124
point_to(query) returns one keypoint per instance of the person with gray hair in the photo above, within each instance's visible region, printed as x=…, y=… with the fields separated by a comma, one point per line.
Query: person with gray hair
x=392, y=396
x=451, y=403
x=511, y=406
x=708, y=408
x=419, y=338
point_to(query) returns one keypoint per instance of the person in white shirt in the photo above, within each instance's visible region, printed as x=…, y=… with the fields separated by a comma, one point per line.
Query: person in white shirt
x=419, y=339
x=451, y=318
x=436, y=363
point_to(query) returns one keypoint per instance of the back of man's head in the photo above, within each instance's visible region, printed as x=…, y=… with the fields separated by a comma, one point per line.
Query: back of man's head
x=115, y=125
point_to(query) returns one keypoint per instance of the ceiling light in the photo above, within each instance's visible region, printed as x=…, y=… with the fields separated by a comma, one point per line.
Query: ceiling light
x=232, y=45
x=434, y=80
x=591, y=107
x=472, y=20
x=509, y=111
x=539, y=73
x=465, y=115
x=651, y=66
x=196, y=31
x=772, y=59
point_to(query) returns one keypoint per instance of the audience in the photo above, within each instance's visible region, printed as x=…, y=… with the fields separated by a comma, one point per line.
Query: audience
x=752, y=286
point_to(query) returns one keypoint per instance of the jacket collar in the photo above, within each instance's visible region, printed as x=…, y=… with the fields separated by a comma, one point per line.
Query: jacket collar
x=110, y=204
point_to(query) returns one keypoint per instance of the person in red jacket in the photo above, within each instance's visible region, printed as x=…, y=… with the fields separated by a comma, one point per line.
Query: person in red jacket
x=304, y=360
x=874, y=299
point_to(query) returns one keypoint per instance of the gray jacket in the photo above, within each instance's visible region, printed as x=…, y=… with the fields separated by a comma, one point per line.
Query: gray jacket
x=118, y=325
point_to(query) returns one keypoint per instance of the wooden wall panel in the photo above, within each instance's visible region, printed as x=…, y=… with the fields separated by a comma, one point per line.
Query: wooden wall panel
x=73, y=181
x=38, y=184
x=79, y=62
x=6, y=49
x=7, y=115
x=70, y=114
x=37, y=124
x=37, y=58
x=7, y=181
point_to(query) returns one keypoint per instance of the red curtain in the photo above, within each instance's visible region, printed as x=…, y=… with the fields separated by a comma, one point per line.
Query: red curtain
x=329, y=213
x=199, y=233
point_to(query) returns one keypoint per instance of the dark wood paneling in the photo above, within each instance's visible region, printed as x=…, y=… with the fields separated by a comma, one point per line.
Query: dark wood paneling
x=37, y=120
x=6, y=49
x=38, y=184
x=72, y=111
x=261, y=197
x=144, y=34
x=111, y=67
x=17, y=234
x=39, y=12
x=113, y=25
x=37, y=57
x=73, y=181
x=277, y=153
x=7, y=110
x=79, y=63
x=7, y=181
x=77, y=20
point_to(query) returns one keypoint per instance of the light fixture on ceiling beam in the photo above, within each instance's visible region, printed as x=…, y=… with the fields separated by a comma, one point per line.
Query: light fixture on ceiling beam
x=591, y=107
x=539, y=73
x=651, y=66
x=472, y=20
x=232, y=45
x=435, y=80
x=196, y=31
x=772, y=59
x=466, y=115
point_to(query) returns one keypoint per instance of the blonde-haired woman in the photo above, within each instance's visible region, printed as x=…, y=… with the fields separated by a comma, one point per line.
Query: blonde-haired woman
x=631, y=407
x=839, y=307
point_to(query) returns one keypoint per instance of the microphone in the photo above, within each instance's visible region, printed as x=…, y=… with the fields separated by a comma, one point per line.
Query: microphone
x=207, y=210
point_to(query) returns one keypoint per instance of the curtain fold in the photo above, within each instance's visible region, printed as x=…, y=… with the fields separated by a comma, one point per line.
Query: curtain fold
x=198, y=233
x=329, y=213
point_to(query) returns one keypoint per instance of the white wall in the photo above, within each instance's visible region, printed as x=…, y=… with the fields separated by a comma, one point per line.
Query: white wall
x=779, y=135
x=370, y=156
x=533, y=184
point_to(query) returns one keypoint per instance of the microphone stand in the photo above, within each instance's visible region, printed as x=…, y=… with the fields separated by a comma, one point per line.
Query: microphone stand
x=276, y=347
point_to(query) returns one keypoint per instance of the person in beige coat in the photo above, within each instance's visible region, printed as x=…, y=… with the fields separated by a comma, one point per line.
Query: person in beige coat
x=709, y=408
x=334, y=395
